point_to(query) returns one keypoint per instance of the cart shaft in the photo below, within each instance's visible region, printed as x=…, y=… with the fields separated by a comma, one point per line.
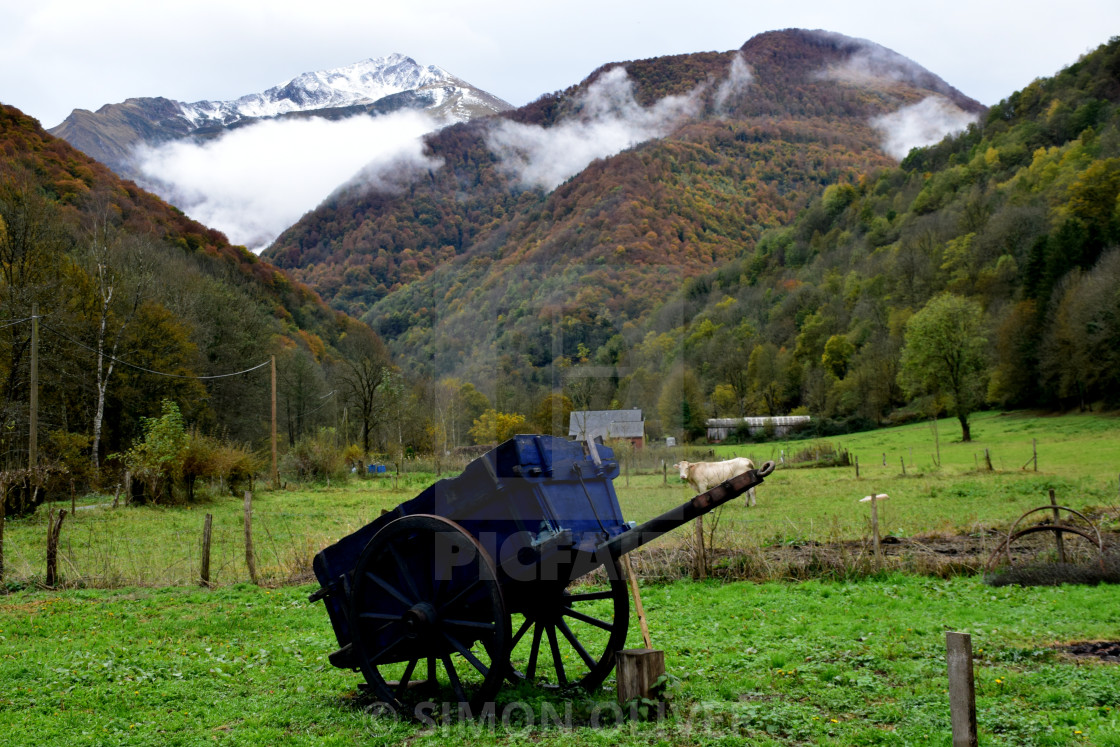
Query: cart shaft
x=686, y=512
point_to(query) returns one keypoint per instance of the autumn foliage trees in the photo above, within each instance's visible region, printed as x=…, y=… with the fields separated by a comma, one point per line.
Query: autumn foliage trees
x=149, y=325
x=762, y=261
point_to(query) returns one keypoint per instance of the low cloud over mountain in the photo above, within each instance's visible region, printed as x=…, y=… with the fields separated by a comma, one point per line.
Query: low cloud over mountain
x=254, y=181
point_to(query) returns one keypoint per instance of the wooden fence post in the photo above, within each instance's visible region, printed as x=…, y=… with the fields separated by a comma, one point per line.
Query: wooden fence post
x=54, y=529
x=988, y=459
x=700, y=561
x=857, y=467
x=962, y=689
x=902, y=461
x=664, y=473
x=249, y=559
x=204, y=570
x=3, y=512
x=1057, y=520
x=875, y=528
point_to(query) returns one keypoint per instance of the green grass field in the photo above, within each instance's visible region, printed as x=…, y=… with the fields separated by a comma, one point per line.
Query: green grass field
x=770, y=664
x=132, y=652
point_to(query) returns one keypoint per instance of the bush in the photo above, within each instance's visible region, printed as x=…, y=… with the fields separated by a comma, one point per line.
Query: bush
x=316, y=457
x=208, y=457
x=157, y=458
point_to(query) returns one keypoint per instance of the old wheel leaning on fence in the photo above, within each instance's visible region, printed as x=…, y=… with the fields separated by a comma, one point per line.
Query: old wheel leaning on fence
x=425, y=590
x=569, y=636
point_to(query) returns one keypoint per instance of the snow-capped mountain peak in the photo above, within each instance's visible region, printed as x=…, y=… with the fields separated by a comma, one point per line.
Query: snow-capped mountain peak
x=363, y=82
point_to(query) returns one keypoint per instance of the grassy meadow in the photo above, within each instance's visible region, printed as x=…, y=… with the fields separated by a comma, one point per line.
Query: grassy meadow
x=131, y=651
x=819, y=662
x=1079, y=458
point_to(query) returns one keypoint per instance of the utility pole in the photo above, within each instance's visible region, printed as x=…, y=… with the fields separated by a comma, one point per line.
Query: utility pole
x=275, y=469
x=33, y=420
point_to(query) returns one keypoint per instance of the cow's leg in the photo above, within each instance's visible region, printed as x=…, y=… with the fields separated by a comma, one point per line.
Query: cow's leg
x=750, y=497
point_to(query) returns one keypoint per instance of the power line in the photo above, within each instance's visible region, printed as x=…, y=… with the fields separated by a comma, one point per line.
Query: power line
x=320, y=407
x=18, y=321
x=151, y=371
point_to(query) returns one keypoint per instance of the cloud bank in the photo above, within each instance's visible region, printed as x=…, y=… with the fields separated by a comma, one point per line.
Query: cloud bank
x=609, y=121
x=253, y=182
x=924, y=123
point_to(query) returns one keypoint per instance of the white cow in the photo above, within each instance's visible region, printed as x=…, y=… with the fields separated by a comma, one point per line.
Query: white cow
x=704, y=475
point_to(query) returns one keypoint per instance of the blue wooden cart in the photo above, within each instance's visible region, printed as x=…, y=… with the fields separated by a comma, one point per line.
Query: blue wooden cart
x=483, y=578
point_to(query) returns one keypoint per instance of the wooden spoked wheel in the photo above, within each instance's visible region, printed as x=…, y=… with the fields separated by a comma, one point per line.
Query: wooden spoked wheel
x=427, y=616
x=568, y=636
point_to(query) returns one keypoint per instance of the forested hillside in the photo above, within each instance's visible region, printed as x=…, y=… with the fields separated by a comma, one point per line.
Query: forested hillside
x=599, y=287
x=1016, y=219
x=499, y=265
x=140, y=305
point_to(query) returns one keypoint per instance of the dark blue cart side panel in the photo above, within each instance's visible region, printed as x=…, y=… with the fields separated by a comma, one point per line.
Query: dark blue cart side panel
x=525, y=490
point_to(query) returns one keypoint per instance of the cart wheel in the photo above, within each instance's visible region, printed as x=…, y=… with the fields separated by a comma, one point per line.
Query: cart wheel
x=425, y=590
x=581, y=627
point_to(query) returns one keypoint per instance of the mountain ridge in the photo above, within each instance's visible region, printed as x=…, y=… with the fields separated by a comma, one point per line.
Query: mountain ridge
x=372, y=86
x=439, y=267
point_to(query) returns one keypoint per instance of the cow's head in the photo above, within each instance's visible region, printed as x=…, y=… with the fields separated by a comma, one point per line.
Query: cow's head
x=683, y=467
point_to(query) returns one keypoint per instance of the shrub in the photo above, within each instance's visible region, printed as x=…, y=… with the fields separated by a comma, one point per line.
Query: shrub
x=316, y=457
x=157, y=458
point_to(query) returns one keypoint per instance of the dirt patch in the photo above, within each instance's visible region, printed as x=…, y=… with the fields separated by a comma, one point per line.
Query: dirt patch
x=1103, y=650
x=935, y=555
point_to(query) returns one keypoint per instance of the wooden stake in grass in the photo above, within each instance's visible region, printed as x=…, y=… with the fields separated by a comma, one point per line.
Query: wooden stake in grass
x=3, y=511
x=699, y=560
x=962, y=689
x=204, y=569
x=936, y=442
x=1057, y=535
x=874, y=499
x=250, y=561
x=54, y=529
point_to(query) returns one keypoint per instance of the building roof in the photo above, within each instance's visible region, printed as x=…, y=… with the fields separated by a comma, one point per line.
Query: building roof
x=758, y=422
x=606, y=424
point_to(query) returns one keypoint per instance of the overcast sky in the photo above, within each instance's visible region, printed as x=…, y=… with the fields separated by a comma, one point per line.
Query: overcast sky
x=57, y=55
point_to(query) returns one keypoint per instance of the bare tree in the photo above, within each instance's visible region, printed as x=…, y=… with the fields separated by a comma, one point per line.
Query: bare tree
x=361, y=375
x=122, y=275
